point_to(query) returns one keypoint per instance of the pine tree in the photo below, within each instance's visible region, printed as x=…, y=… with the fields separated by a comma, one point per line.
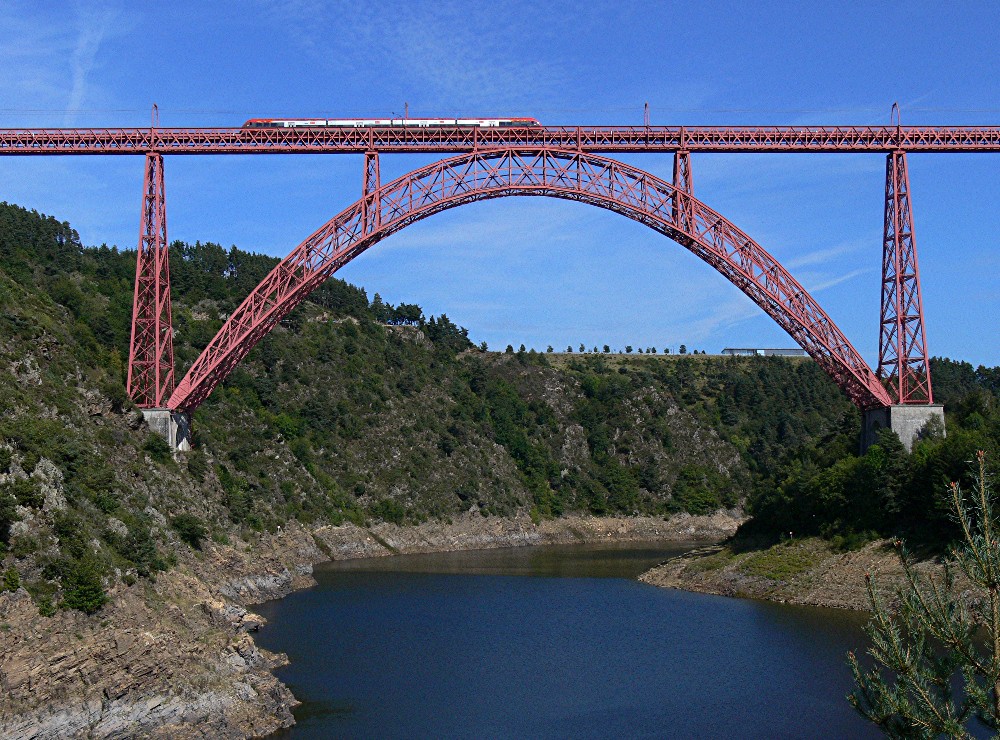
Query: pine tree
x=931, y=643
x=82, y=586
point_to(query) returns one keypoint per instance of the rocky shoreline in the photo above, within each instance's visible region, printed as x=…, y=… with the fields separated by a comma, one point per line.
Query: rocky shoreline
x=809, y=572
x=175, y=657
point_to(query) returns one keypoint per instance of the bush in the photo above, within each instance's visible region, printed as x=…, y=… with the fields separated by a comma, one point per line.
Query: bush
x=83, y=588
x=11, y=580
x=7, y=515
x=197, y=465
x=158, y=448
x=141, y=550
x=696, y=490
x=389, y=511
x=190, y=529
x=27, y=493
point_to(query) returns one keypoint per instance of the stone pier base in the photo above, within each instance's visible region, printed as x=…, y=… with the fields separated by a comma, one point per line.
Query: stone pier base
x=173, y=426
x=906, y=421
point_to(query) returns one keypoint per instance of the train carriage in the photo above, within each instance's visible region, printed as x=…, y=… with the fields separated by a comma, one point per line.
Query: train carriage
x=392, y=123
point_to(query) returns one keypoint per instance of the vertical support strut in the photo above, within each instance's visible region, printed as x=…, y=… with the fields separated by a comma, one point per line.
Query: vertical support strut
x=902, y=365
x=683, y=207
x=370, y=212
x=151, y=354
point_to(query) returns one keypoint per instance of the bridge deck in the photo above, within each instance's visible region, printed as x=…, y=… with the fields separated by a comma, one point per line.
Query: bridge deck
x=593, y=139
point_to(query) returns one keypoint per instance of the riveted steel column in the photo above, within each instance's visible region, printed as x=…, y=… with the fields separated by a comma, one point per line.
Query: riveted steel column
x=151, y=353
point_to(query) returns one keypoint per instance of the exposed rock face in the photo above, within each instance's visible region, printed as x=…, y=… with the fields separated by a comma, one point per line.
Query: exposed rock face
x=165, y=659
x=474, y=532
x=173, y=658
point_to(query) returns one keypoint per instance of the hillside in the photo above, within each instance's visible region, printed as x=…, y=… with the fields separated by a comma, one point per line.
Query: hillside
x=351, y=425
x=355, y=410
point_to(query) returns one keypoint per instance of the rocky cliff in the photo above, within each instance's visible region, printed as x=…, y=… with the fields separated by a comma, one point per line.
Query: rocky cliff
x=176, y=658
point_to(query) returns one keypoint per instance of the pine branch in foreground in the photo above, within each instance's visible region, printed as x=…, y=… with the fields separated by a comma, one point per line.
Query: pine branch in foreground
x=936, y=654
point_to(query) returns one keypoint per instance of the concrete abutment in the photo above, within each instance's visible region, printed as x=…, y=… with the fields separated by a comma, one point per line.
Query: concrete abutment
x=908, y=422
x=173, y=426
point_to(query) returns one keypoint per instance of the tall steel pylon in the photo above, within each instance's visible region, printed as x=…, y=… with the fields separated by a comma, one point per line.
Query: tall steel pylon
x=151, y=354
x=903, y=365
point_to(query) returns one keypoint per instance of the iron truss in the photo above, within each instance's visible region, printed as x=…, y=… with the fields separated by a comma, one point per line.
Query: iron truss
x=902, y=364
x=151, y=351
x=540, y=171
x=594, y=139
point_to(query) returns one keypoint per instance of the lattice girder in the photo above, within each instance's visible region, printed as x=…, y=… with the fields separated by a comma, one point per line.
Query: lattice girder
x=151, y=350
x=903, y=364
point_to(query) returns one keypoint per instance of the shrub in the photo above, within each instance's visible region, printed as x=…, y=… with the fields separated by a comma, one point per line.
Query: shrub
x=7, y=515
x=695, y=490
x=82, y=586
x=190, y=529
x=197, y=465
x=72, y=534
x=158, y=448
x=389, y=511
x=27, y=493
x=45, y=606
x=141, y=550
x=23, y=546
x=11, y=580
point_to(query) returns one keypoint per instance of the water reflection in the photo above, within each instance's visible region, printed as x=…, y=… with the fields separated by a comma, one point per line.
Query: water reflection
x=462, y=645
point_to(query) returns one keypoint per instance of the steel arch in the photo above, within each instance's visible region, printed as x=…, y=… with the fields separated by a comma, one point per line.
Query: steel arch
x=560, y=173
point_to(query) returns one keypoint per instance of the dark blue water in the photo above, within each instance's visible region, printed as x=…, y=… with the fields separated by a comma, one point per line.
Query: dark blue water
x=553, y=642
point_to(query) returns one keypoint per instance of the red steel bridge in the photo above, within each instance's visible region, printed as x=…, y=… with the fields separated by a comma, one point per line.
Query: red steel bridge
x=569, y=162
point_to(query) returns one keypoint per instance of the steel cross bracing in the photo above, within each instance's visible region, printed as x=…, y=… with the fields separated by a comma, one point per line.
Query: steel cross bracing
x=572, y=175
x=902, y=361
x=594, y=139
x=151, y=351
x=683, y=213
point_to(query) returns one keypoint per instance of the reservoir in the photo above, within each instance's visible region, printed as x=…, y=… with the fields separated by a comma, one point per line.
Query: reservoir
x=552, y=642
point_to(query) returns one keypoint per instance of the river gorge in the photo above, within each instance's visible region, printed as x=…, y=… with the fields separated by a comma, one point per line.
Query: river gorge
x=553, y=641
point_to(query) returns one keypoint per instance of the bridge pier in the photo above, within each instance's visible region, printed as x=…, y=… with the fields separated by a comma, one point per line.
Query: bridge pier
x=908, y=422
x=173, y=426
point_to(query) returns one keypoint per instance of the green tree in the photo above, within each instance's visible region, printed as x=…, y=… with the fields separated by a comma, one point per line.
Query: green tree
x=190, y=529
x=11, y=580
x=82, y=586
x=158, y=448
x=930, y=644
x=8, y=515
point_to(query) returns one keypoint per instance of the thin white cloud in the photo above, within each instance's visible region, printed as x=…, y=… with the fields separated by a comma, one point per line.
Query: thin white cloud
x=816, y=288
x=447, y=51
x=92, y=30
x=827, y=254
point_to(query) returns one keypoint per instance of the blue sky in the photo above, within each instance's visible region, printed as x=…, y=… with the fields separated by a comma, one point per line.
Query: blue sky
x=533, y=270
